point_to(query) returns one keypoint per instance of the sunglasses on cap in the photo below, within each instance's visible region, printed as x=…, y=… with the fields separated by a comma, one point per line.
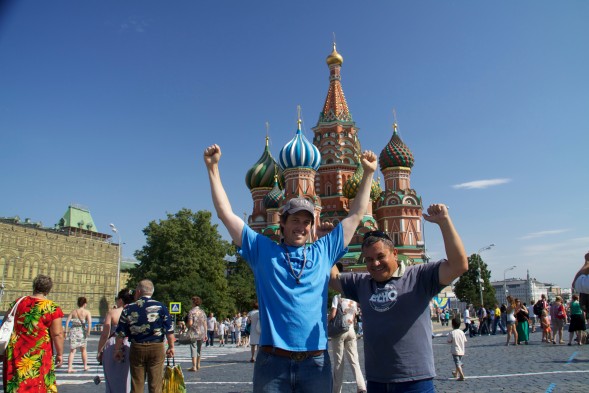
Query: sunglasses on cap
x=379, y=234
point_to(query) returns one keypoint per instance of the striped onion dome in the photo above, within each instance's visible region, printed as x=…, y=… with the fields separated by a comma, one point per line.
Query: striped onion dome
x=375, y=189
x=262, y=173
x=395, y=153
x=299, y=152
x=273, y=198
x=350, y=188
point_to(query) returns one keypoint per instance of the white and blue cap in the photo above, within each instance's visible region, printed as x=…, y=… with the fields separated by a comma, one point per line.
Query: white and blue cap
x=298, y=204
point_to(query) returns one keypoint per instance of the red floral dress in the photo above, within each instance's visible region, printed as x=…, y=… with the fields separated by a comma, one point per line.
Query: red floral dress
x=28, y=366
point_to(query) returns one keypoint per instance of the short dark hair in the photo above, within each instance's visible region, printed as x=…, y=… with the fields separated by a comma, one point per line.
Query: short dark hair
x=42, y=284
x=373, y=239
x=455, y=323
x=196, y=300
x=81, y=301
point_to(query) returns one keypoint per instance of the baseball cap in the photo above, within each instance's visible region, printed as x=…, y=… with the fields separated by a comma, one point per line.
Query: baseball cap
x=296, y=205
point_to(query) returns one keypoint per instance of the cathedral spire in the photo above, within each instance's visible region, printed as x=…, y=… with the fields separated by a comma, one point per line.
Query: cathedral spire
x=335, y=107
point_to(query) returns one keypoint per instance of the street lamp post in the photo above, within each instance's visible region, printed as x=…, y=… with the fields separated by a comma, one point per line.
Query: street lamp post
x=480, y=275
x=505, y=287
x=114, y=229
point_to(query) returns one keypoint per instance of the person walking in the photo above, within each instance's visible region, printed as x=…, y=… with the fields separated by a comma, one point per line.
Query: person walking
x=211, y=329
x=497, y=321
x=197, y=325
x=346, y=344
x=79, y=332
x=145, y=323
x=521, y=316
x=511, y=321
x=292, y=300
x=255, y=330
x=577, y=324
x=558, y=317
x=457, y=339
x=117, y=377
x=467, y=321
x=28, y=363
x=482, y=315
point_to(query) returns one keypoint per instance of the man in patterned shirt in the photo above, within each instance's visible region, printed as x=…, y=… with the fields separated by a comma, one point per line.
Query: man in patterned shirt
x=145, y=322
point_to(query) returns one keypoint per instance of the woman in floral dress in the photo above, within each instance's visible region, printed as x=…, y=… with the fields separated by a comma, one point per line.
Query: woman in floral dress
x=28, y=365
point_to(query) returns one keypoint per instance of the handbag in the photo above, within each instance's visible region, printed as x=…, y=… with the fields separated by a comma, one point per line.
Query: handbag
x=192, y=336
x=338, y=324
x=7, y=327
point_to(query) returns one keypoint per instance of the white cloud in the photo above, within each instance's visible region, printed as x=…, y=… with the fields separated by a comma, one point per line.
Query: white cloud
x=480, y=184
x=136, y=24
x=535, y=235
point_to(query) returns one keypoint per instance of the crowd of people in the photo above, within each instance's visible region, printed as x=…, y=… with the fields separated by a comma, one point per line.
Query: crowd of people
x=286, y=329
x=517, y=319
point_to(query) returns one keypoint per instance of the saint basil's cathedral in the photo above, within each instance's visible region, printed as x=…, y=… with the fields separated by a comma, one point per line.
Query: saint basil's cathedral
x=327, y=172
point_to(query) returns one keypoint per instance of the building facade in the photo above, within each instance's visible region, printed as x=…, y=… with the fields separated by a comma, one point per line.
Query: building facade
x=327, y=171
x=527, y=290
x=80, y=260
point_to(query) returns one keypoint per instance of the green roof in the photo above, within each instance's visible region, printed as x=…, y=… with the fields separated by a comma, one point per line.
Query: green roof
x=78, y=217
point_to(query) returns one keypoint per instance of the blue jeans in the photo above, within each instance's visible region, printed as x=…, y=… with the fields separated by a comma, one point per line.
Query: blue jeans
x=277, y=374
x=423, y=386
x=211, y=336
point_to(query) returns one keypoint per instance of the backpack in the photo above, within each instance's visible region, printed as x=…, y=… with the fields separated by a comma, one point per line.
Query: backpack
x=538, y=308
x=338, y=325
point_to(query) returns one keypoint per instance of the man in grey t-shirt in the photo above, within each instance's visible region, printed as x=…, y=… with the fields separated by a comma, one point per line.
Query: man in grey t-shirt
x=395, y=306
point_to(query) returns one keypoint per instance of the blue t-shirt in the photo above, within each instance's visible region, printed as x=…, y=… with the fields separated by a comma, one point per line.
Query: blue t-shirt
x=145, y=321
x=292, y=316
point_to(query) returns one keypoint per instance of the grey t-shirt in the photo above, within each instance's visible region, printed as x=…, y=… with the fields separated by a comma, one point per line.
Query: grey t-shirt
x=396, y=322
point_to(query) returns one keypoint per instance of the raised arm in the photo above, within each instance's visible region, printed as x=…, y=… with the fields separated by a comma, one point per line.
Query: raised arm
x=334, y=282
x=358, y=208
x=457, y=262
x=232, y=222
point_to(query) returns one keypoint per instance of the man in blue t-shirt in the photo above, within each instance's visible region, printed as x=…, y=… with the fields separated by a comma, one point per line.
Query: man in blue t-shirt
x=395, y=301
x=291, y=283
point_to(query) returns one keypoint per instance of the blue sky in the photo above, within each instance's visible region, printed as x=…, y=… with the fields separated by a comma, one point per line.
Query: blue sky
x=109, y=104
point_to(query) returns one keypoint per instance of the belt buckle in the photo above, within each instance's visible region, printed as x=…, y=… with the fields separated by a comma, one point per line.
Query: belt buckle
x=298, y=356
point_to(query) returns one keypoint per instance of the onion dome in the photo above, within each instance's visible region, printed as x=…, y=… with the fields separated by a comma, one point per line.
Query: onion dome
x=299, y=152
x=273, y=198
x=350, y=188
x=262, y=173
x=334, y=57
x=396, y=153
x=375, y=189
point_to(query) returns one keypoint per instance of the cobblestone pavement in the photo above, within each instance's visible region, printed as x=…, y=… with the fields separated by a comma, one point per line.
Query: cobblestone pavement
x=490, y=366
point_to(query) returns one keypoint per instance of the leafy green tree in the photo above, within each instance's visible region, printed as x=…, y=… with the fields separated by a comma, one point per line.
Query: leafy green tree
x=184, y=256
x=241, y=285
x=467, y=286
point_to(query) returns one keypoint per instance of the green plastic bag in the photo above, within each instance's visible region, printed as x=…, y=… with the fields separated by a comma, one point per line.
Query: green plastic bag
x=173, y=378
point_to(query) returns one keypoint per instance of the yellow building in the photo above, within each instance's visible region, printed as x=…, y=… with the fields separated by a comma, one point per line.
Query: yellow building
x=80, y=260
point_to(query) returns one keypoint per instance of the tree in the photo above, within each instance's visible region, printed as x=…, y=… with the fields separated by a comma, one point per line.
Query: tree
x=184, y=256
x=241, y=285
x=467, y=287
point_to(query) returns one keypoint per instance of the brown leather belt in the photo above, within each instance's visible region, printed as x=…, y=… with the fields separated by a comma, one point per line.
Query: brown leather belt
x=294, y=355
